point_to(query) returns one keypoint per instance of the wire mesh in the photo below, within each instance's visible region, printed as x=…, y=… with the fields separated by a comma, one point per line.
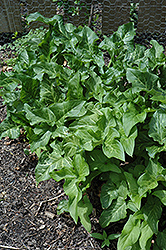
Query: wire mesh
x=104, y=16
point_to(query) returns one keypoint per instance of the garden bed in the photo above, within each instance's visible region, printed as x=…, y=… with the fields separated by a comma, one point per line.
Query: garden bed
x=28, y=218
x=28, y=213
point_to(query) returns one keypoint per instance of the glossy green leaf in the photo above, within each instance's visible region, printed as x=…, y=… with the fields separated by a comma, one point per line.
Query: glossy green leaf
x=131, y=117
x=84, y=210
x=97, y=160
x=35, y=116
x=8, y=83
x=111, y=146
x=130, y=233
x=114, y=149
x=30, y=89
x=24, y=57
x=97, y=236
x=10, y=129
x=41, y=142
x=38, y=17
x=161, y=194
x=47, y=163
x=109, y=192
x=62, y=207
x=113, y=236
x=146, y=182
x=122, y=187
x=153, y=150
x=159, y=96
x=161, y=240
x=74, y=193
x=126, y=32
x=75, y=88
x=141, y=81
x=133, y=189
x=128, y=143
x=115, y=212
x=146, y=234
x=81, y=167
x=157, y=127
x=152, y=213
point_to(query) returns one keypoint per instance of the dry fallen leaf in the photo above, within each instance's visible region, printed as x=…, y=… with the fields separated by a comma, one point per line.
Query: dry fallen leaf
x=6, y=68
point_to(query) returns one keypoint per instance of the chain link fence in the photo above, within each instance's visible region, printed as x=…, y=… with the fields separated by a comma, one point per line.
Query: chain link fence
x=104, y=16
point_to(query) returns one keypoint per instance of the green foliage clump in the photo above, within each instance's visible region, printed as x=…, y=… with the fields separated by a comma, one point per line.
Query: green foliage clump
x=86, y=120
x=17, y=46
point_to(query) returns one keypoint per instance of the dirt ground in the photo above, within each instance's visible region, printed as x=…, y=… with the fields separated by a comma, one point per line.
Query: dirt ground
x=28, y=218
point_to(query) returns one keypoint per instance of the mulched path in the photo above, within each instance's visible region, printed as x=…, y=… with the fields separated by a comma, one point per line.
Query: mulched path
x=28, y=218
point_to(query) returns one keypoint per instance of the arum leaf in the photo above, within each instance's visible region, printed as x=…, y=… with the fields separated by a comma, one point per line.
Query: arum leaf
x=84, y=210
x=128, y=143
x=38, y=17
x=152, y=213
x=81, y=167
x=130, y=233
x=114, y=149
x=109, y=192
x=97, y=160
x=35, y=116
x=158, y=127
x=141, y=81
x=41, y=141
x=161, y=194
x=115, y=212
x=126, y=32
x=131, y=117
x=73, y=191
x=75, y=89
x=10, y=129
x=161, y=240
x=146, y=234
x=47, y=163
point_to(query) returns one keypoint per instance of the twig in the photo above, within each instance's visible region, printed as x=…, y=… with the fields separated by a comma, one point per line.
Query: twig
x=49, y=248
x=82, y=241
x=54, y=198
x=91, y=244
x=90, y=17
x=8, y=247
x=41, y=203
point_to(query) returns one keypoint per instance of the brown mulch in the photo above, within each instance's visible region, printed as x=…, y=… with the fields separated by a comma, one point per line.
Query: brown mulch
x=28, y=218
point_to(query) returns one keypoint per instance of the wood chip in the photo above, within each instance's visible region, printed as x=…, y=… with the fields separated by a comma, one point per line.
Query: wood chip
x=49, y=214
x=42, y=227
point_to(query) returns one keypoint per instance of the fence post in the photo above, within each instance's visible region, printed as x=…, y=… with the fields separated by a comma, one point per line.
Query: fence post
x=115, y=13
x=10, y=18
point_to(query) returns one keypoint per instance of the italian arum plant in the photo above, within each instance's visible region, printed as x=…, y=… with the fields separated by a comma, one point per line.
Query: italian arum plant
x=88, y=121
